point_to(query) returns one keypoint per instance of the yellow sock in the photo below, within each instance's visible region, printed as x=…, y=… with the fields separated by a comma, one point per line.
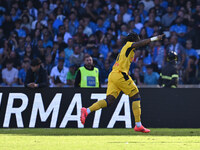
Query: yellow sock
x=98, y=105
x=136, y=110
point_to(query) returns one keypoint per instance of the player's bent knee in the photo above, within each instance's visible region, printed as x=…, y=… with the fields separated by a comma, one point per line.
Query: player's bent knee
x=110, y=100
x=135, y=97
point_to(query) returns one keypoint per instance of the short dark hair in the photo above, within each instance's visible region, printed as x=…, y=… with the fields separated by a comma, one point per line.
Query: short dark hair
x=87, y=56
x=9, y=61
x=149, y=66
x=35, y=62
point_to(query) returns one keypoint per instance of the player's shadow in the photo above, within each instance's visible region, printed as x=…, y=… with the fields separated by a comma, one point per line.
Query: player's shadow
x=101, y=132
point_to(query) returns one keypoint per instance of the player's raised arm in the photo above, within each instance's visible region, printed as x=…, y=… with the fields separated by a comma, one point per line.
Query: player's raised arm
x=147, y=41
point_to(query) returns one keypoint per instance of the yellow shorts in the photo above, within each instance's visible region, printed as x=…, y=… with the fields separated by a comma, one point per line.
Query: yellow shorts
x=118, y=81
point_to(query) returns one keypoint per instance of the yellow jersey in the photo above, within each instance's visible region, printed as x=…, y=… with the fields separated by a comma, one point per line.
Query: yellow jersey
x=124, y=59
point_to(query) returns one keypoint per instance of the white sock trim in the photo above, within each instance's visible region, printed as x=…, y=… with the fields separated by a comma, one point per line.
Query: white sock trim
x=88, y=110
x=138, y=124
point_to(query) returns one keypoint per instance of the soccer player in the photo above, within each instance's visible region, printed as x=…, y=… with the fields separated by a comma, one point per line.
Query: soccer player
x=119, y=80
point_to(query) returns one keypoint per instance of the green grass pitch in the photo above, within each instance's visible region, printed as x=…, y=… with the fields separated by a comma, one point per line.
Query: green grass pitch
x=99, y=139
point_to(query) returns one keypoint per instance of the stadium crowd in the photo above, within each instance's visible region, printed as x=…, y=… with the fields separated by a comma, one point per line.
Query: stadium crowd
x=62, y=32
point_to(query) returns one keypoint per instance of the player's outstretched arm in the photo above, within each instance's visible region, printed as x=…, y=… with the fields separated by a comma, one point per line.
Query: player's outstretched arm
x=147, y=41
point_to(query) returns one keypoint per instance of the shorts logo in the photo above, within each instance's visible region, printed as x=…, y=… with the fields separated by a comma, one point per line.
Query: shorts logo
x=116, y=64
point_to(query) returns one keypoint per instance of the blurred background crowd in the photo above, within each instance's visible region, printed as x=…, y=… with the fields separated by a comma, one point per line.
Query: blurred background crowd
x=62, y=32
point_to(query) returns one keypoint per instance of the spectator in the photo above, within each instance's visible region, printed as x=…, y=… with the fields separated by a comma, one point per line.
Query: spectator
x=191, y=71
x=40, y=19
x=158, y=8
x=180, y=29
x=104, y=48
x=67, y=35
x=179, y=49
x=45, y=7
x=87, y=75
x=147, y=58
x=105, y=72
x=21, y=49
x=191, y=52
x=196, y=16
x=61, y=31
x=46, y=39
x=150, y=77
x=113, y=55
x=36, y=37
x=36, y=76
x=29, y=51
x=73, y=23
x=193, y=33
x=143, y=13
x=9, y=74
x=113, y=5
x=143, y=33
x=87, y=29
x=48, y=64
x=150, y=27
x=159, y=54
x=100, y=26
x=77, y=57
x=148, y=4
x=22, y=72
x=96, y=54
x=59, y=74
x=123, y=12
x=14, y=58
x=8, y=25
x=152, y=16
x=80, y=38
x=68, y=51
x=28, y=40
x=140, y=64
x=32, y=11
x=168, y=18
x=71, y=75
x=25, y=25
x=137, y=77
x=39, y=51
x=13, y=13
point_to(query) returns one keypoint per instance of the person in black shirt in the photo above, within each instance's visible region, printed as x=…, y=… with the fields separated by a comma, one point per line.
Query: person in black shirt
x=36, y=76
x=191, y=71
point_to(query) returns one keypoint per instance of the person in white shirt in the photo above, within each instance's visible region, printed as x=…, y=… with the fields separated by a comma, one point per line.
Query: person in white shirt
x=9, y=75
x=39, y=19
x=148, y=4
x=58, y=75
x=32, y=11
x=123, y=11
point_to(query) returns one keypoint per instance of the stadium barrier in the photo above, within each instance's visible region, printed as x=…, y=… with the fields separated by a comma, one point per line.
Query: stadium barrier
x=60, y=108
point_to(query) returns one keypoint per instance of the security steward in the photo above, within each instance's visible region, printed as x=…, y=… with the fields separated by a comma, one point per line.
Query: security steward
x=87, y=75
x=169, y=74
